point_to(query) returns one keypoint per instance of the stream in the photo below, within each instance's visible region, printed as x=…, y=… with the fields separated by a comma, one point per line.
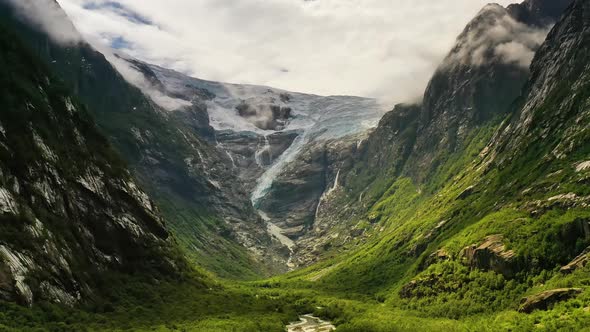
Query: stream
x=309, y=323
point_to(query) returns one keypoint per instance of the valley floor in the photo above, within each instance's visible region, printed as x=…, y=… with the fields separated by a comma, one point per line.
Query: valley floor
x=200, y=304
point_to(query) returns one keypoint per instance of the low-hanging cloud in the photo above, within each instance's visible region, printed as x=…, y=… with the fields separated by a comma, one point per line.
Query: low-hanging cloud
x=49, y=17
x=516, y=53
x=378, y=48
x=495, y=36
x=136, y=78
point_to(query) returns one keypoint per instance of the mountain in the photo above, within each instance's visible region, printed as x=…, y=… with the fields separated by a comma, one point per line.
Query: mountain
x=466, y=211
x=470, y=93
x=262, y=130
x=169, y=152
x=539, y=13
x=71, y=212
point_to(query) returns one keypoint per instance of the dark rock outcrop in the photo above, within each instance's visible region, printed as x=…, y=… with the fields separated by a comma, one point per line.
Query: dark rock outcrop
x=539, y=12
x=490, y=255
x=544, y=300
x=292, y=201
x=265, y=116
x=577, y=263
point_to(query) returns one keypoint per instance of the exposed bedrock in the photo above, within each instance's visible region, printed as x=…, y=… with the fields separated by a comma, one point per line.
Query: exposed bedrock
x=293, y=199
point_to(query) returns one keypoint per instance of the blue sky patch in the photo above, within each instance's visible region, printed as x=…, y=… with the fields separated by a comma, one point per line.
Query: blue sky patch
x=120, y=10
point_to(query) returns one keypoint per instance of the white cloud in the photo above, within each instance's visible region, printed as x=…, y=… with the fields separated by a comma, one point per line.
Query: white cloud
x=380, y=48
x=46, y=15
x=515, y=52
x=496, y=36
x=136, y=78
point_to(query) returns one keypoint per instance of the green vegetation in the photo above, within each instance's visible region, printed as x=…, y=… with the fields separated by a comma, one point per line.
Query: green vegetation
x=207, y=242
x=137, y=304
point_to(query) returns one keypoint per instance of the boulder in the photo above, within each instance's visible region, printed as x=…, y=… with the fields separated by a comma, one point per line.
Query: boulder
x=438, y=256
x=543, y=300
x=490, y=255
x=577, y=263
x=466, y=193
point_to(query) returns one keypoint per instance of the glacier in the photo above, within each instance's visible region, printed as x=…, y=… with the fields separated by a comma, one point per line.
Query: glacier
x=313, y=117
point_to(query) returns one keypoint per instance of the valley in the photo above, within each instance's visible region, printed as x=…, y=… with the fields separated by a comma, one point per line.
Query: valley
x=138, y=198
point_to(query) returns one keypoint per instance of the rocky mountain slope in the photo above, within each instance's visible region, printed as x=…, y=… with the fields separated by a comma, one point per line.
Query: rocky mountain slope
x=171, y=153
x=470, y=93
x=71, y=213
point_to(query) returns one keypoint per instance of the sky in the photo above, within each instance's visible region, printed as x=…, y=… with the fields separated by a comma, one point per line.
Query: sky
x=386, y=49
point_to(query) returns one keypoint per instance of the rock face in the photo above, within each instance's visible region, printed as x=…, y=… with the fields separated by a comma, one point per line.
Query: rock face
x=544, y=300
x=295, y=197
x=577, y=263
x=265, y=116
x=251, y=154
x=539, y=12
x=69, y=208
x=556, y=91
x=490, y=255
x=480, y=78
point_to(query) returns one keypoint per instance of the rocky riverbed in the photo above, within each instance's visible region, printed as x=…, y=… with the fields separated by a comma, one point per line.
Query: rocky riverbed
x=309, y=323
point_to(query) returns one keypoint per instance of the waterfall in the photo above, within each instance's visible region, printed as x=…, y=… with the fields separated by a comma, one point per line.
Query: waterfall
x=335, y=186
x=317, y=208
x=326, y=194
x=233, y=162
x=220, y=147
x=266, y=148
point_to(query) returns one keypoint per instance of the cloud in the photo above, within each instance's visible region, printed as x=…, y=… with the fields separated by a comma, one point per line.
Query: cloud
x=515, y=52
x=379, y=48
x=494, y=36
x=136, y=78
x=48, y=16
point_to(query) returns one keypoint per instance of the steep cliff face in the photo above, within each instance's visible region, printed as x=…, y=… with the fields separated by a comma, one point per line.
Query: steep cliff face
x=539, y=12
x=552, y=110
x=295, y=196
x=477, y=82
x=69, y=209
x=171, y=153
x=479, y=79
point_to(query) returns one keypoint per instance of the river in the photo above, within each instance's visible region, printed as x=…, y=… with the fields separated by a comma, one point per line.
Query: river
x=309, y=323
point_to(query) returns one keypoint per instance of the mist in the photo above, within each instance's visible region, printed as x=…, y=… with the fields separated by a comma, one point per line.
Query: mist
x=494, y=36
x=49, y=17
